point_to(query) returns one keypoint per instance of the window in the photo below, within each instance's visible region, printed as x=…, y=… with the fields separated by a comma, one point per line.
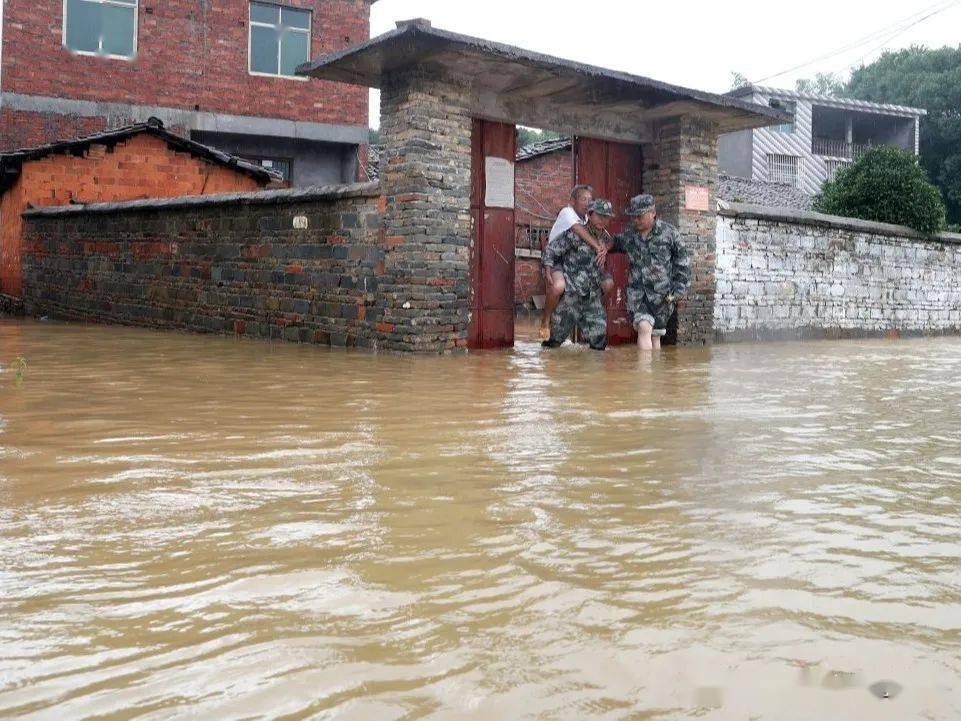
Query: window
x=536, y=236
x=833, y=166
x=284, y=166
x=785, y=127
x=101, y=27
x=279, y=39
x=783, y=169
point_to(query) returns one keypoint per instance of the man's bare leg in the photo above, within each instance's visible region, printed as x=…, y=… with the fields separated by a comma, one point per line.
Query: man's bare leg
x=656, y=341
x=644, y=340
x=607, y=287
x=554, y=289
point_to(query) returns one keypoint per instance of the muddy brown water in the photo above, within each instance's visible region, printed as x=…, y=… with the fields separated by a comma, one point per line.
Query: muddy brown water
x=212, y=528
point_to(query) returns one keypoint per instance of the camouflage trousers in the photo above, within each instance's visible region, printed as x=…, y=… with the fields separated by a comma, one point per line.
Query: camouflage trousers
x=586, y=312
x=642, y=309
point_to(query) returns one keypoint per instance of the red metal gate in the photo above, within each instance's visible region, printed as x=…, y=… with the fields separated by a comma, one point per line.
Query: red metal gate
x=616, y=172
x=491, y=294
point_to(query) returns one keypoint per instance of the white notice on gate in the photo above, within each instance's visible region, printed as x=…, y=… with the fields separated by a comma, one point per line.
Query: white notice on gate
x=500, y=183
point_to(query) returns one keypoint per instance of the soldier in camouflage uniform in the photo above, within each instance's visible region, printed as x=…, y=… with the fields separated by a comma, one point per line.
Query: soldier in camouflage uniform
x=660, y=270
x=582, y=302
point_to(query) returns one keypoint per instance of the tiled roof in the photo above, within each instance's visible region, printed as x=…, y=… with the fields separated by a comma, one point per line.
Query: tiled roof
x=543, y=148
x=758, y=192
x=12, y=160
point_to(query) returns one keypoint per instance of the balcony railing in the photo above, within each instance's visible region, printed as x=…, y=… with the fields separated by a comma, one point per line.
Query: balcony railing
x=839, y=148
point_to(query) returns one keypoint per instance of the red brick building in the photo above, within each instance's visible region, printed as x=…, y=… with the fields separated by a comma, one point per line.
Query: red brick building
x=543, y=176
x=221, y=72
x=139, y=161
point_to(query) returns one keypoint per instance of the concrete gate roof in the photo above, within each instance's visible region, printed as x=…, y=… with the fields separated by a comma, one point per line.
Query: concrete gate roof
x=514, y=85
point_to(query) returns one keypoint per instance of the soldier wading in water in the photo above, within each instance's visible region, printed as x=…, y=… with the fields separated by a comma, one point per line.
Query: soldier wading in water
x=584, y=281
x=660, y=270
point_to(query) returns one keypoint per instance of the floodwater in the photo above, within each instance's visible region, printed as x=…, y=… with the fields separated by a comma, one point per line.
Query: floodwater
x=212, y=528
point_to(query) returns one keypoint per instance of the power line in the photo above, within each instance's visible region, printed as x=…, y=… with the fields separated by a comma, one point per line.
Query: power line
x=889, y=32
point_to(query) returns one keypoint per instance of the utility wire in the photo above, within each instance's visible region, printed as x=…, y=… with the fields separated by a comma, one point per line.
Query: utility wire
x=889, y=32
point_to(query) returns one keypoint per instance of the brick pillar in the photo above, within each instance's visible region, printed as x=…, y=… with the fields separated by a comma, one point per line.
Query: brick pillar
x=425, y=177
x=684, y=152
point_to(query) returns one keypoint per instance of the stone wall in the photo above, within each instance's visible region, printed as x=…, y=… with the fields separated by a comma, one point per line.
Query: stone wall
x=785, y=274
x=425, y=175
x=684, y=153
x=236, y=263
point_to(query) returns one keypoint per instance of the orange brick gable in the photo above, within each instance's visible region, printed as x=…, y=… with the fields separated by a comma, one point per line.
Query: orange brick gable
x=142, y=167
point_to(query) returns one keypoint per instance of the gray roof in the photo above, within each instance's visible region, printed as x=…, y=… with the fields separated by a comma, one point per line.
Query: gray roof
x=544, y=147
x=831, y=101
x=758, y=192
x=511, y=84
x=11, y=161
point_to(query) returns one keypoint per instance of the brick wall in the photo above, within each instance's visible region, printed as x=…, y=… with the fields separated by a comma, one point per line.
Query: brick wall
x=141, y=167
x=191, y=53
x=542, y=187
x=425, y=174
x=684, y=152
x=228, y=264
x=20, y=129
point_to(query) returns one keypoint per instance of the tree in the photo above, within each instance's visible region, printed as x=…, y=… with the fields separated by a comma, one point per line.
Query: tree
x=528, y=136
x=887, y=185
x=821, y=84
x=929, y=79
x=738, y=80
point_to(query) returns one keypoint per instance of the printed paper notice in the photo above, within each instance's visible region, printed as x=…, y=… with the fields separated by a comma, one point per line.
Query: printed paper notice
x=696, y=198
x=500, y=183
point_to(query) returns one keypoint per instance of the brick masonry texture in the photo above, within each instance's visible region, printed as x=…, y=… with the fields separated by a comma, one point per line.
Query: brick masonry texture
x=425, y=176
x=782, y=278
x=222, y=264
x=190, y=53
x=142, y=167
x=684, y=153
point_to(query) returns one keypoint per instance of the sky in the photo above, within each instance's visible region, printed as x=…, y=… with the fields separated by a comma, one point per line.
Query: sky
x=693, y=43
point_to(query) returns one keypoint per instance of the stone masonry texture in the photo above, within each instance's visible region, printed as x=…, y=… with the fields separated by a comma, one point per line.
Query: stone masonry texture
x=142, y=167
x=780, y=278
x=232, y=264
x=684, y=152
x=425, y=177
x=191, y=54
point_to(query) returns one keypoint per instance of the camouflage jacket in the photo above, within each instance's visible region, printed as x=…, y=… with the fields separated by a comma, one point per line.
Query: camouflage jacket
x=659, y=265
x=577, y=260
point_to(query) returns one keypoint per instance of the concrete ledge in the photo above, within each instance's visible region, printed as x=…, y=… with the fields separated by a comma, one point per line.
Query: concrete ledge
x=808, y=217
x=10, y=305
x=758, y=334
x=259, y=197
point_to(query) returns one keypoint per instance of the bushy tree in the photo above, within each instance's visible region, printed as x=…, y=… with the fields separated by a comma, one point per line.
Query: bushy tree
x=887, y=185
x=528, y=136
x=821, y=84
x=929, y=79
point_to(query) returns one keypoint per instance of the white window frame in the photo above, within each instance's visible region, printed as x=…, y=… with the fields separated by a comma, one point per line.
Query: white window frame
x=773, y=159
x=250, y=38
x=136, y=30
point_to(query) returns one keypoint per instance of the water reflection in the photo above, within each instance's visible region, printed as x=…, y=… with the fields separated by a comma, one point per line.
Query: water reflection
x=212, y=528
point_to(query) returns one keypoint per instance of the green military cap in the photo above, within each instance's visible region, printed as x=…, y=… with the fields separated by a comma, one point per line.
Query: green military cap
x=602, y=207
x=641, y=204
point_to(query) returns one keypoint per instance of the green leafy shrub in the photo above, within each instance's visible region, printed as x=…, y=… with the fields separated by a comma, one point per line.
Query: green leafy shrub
x=886, y=185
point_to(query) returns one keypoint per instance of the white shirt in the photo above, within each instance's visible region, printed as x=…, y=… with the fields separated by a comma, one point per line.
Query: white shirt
x=566, y=220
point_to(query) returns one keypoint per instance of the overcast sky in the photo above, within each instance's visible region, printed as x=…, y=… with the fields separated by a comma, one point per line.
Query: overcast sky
x=693, y=43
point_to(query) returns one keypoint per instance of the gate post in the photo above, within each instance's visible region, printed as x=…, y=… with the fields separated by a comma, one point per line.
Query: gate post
x=683, y=156
x=422, y=302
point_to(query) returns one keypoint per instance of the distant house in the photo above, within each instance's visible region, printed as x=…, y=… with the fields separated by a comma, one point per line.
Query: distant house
x=221, y=72
x=137, y=161
x=827, y=133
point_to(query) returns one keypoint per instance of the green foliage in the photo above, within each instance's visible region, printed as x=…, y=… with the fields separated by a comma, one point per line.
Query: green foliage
x=374, y=136
x=887, y=185
x=929, y=79
x=821, y=84
x=738, y=80
x=527, y=136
